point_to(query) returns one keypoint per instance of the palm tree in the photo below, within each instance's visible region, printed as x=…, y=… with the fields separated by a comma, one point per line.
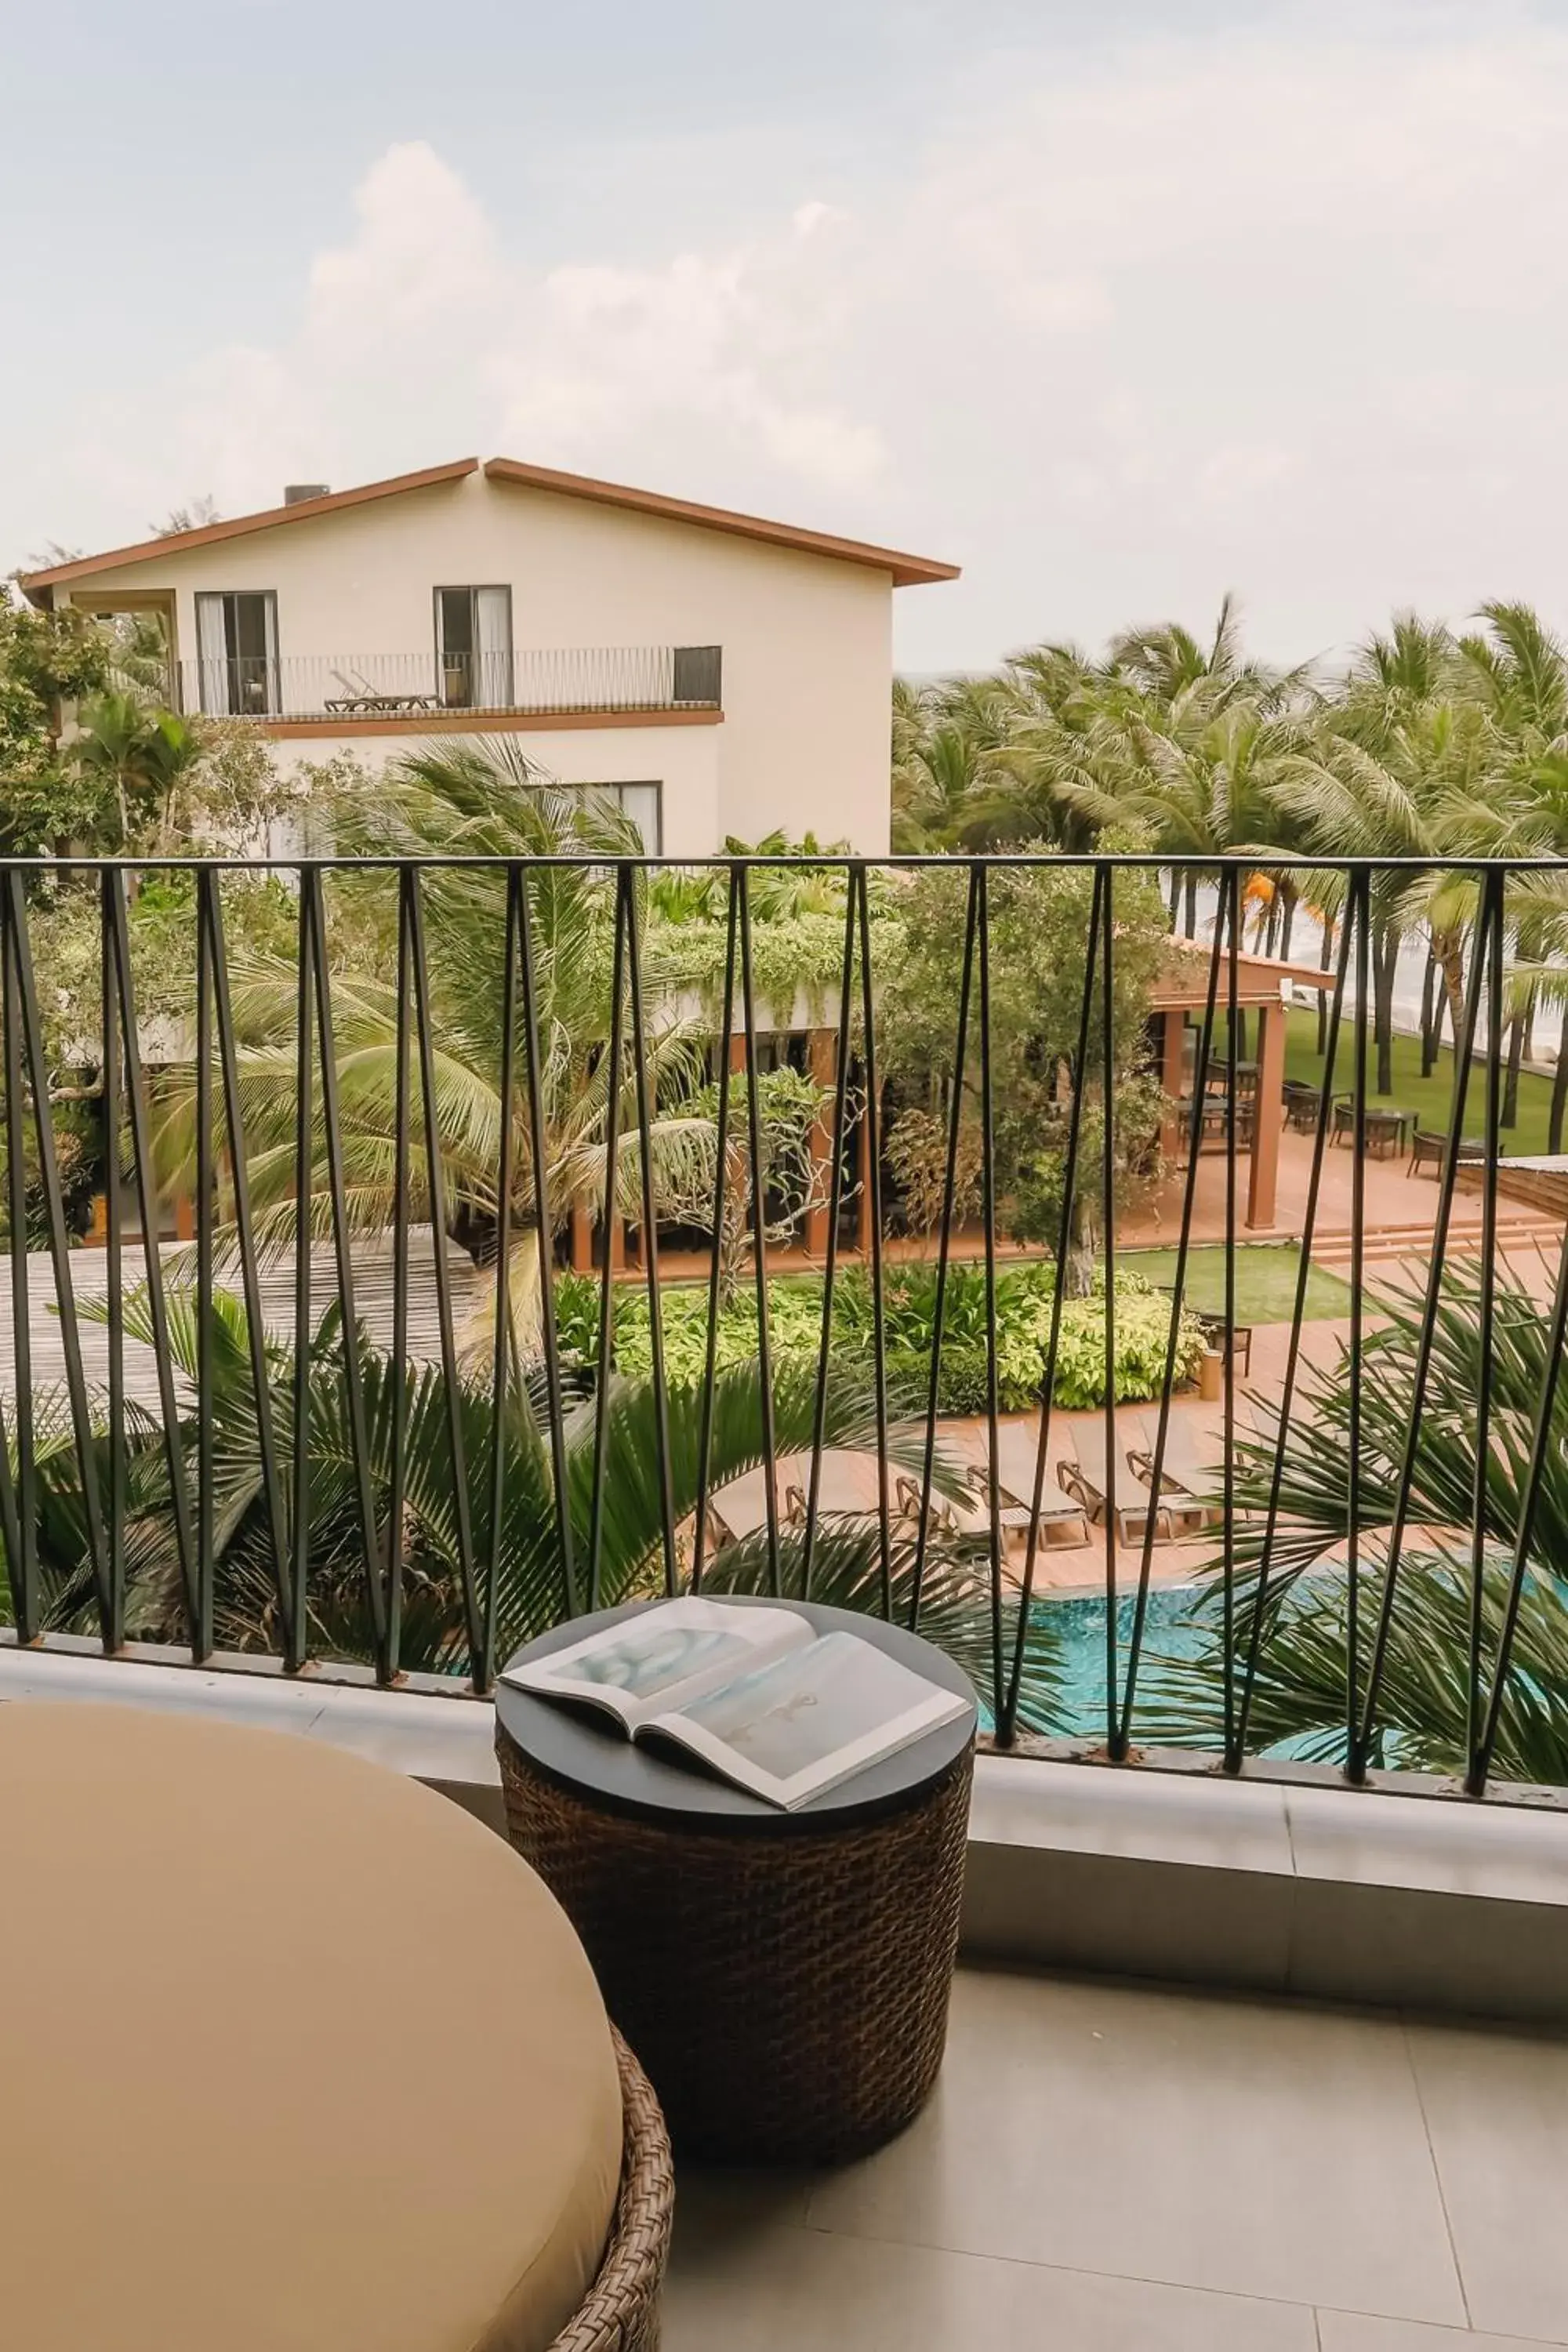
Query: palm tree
x=137, y=755
x=1422, y=1713
x=446, y=1515
x=480, y=801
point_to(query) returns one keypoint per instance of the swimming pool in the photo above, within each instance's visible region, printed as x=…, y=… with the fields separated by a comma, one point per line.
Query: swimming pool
x=1079, y=1621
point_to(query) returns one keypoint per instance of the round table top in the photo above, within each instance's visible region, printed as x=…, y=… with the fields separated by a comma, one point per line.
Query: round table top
x=579, y=1748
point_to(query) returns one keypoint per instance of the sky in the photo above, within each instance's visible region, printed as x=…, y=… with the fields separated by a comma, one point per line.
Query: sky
x=1120, y=306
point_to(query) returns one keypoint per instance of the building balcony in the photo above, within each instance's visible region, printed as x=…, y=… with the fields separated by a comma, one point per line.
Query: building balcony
x=358, y=692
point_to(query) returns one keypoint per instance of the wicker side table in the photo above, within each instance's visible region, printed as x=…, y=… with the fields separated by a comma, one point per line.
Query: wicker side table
x=784, y=1978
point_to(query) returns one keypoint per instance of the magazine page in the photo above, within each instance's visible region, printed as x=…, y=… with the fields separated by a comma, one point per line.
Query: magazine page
x=801, y=1723
x=662, y=1657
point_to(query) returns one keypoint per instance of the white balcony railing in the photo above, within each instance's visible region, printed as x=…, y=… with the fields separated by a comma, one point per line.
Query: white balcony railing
x=413, y=685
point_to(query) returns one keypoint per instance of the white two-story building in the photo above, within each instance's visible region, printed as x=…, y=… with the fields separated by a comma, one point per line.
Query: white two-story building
x=717, y=674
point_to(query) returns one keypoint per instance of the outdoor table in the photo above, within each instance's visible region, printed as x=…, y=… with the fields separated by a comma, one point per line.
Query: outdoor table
x=783, y=1976
x=1385, y=1129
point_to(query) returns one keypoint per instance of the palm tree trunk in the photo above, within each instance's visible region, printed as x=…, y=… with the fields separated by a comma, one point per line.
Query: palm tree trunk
x=1190, y=929
x=1515, y=1060
x=1430, y=1002
x=1385, y=958
x=1176, y=893
x=1325, y=963
x=1559, y=1089
x=1290, y=917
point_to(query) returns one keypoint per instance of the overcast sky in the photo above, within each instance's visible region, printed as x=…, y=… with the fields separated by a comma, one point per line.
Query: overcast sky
x=1117, y=305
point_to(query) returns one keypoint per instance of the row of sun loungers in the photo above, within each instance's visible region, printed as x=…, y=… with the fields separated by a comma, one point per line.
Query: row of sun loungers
x=1075, y=1493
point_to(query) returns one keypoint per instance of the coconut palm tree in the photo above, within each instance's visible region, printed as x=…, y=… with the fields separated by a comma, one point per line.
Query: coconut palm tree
x=447, y=1513
x=1423, y=1711
x=485, y=800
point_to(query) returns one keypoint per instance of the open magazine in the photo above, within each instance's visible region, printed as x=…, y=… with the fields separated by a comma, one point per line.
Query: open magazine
x=758, y=1693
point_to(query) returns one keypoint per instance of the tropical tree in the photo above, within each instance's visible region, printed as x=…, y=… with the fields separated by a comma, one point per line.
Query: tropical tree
x=448, y=1456
x=1421, y=1715
x=483, y=801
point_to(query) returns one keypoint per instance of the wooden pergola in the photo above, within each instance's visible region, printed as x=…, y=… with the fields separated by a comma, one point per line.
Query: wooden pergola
x=1180, y=994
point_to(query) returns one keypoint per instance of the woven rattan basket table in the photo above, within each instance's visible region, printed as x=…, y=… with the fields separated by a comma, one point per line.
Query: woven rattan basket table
x=784, y=1978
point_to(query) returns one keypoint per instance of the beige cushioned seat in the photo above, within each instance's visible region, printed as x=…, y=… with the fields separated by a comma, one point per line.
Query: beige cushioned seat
x=299, y=2057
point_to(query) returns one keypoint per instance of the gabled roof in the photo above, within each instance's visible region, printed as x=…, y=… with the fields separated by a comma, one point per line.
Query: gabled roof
x=908, y=571
x=175, y=543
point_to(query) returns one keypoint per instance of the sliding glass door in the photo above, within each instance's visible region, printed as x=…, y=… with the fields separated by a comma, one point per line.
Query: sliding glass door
x=473, y=647
x=237, y=646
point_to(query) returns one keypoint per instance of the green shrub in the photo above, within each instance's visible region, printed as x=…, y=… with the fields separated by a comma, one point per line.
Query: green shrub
x=795, y=1330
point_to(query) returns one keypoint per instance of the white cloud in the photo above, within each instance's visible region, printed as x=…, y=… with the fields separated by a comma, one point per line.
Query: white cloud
x=1282, y=308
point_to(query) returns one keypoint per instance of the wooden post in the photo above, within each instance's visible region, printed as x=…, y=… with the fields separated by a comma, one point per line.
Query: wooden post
x=822, y=1059
x=1267, y=1117
x=582, y=1241
x=1172, y=1070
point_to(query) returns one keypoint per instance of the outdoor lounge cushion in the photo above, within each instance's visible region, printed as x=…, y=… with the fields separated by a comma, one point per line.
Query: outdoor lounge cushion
x=299, y=2057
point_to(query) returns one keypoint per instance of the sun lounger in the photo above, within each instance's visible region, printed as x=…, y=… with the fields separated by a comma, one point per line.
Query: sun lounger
x=1084, y=1475
x=1017, y=1451
x=1186, y=1480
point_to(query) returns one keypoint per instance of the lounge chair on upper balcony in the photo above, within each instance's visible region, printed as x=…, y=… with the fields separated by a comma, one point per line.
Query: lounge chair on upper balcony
x=1186, y=1480
x=1085, y=1475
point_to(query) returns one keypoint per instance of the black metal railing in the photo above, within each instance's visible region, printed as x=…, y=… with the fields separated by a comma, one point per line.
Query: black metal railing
x=470, y=1199
x=528, y=679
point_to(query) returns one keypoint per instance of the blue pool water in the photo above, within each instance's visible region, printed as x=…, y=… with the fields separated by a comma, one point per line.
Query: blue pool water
x=1078, y=1621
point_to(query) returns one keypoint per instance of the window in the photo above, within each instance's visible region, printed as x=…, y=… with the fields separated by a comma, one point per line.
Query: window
x=698, y=673
x=639, y=802
x=236, y=647
x=473, y=647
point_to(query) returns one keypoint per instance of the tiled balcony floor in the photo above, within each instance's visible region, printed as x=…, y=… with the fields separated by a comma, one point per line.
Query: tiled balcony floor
x=1109, y=2168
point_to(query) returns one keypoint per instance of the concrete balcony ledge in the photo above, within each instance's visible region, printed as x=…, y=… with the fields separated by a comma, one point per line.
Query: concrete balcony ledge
x=1299, y=1887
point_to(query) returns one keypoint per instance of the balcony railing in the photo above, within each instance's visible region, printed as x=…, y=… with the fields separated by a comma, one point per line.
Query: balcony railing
x=418, y=686
x=1321, y=1512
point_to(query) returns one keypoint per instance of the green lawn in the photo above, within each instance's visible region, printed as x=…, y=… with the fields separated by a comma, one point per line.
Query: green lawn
x=1430, y=1098
x=1266, y=1276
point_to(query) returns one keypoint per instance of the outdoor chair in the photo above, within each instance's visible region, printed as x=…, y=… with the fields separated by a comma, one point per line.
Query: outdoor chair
x=1085, y=1477
x=1185, y=1480
x=1017, y=1449
x=1214, y=1331
x=964, y=1513
x=1430, y=1149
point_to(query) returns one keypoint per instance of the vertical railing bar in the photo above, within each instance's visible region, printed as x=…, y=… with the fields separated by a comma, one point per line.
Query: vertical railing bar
x=1363, y=890
x=873, y=1161
x=1007, y=1718
x=544, y=1233
x=1481, y=1504
x=1108, y=1219
x=649, y=1227
x=59, y=1253
x=988, y=1213
x=615, y=1059
x=206, y=883
x=1227, y=1475
x=1119, y=1743
x=1357, y=1760
x=939, y=1304
x=23, y=1547
x=481, y=1666
x=245, y=1240
x=759, y=1229
x=114, y=1267
x=504, y=1351
x=353, y=1386
x=148, y=1202
x=835, y=1205
x=1293, y=1353
x=402, y=1212
x=720, y=1211
x=304, y=1172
